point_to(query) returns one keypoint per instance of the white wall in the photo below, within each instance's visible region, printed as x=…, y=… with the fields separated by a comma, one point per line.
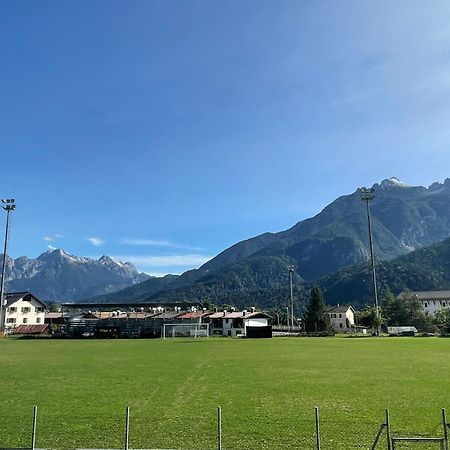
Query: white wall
x=339, y=320
x=22, y=316
x=263, y=322
x=432, y=306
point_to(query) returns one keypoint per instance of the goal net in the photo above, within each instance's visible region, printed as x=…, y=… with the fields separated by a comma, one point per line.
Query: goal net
x=194, y=330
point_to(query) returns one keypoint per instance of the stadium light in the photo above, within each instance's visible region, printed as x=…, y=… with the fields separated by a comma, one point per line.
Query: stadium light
x=291, y=271
x=367, y=195
x=8, y=204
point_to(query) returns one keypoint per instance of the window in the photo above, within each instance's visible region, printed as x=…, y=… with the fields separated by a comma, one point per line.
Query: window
x=25, y=320
x=10, y=320
x=26, y=309
x=39, y=309
x=340, y=316
x=426, y=304
x=443, y=303
x=226, y=320
x=38, y=320
x=12, y=309
x=340, y=325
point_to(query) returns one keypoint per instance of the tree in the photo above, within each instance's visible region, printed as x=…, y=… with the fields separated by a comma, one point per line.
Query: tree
x=367, y=317
x=55, y=307
x=395, y=310
x=316, y=318
x=442, y=320
x=406, y=310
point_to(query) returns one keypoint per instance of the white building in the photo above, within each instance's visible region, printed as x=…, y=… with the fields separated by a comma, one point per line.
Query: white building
x=433, y=301
x=235, y=323
x=342, y=318
x=24, y=310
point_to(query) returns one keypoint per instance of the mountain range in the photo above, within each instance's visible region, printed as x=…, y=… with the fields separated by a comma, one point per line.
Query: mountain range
x=330, y=249
x=56, y=275
x=404, y=218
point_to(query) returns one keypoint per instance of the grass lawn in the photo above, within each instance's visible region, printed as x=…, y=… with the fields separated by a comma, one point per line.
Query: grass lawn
x=267, y=390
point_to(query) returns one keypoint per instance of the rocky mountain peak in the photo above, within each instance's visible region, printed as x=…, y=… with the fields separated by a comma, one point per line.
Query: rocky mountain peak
x=393, y=182
x=57, y=275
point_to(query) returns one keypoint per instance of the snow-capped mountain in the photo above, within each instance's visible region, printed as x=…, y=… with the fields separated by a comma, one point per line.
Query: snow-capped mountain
x=58, y=276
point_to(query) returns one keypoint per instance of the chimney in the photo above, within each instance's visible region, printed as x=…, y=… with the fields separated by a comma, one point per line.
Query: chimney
x=253, y=309
x=244, y=312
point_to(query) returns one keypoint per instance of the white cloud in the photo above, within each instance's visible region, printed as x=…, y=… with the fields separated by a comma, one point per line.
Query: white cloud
x=53, y=237
x=157, y=243
x=192, y=260
x=97, y=242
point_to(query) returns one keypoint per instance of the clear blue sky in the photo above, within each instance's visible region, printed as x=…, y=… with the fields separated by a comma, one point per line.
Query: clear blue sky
x=162, y=132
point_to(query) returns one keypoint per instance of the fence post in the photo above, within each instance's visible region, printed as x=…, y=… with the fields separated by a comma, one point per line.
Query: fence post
x=33, y=433
x=377, y=437
x=219, y=428
x=388, y=430
x=316, y=411
x=127, y=427
x=444, y=424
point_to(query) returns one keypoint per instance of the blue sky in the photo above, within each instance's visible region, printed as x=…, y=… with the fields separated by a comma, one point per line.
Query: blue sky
x=162, y=132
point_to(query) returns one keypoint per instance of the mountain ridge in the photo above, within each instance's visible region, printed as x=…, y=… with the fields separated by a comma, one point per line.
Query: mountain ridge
x=404, y=218
x=56, y=275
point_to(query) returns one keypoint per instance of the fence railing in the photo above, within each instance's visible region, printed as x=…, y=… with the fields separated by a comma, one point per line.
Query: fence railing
x=391, y=442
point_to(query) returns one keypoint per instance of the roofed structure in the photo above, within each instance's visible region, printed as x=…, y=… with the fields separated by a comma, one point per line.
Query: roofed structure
x=432, y=301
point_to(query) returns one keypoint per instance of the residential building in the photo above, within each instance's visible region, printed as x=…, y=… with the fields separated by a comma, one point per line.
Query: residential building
x=433, y=301
x=26, y=311
x=342, y=318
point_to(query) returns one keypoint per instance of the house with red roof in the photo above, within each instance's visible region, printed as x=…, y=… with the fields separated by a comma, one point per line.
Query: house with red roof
x=24, y=313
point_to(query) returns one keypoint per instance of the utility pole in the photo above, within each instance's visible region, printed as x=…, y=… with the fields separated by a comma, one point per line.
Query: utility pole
x=291, y=271
x=367, y=196
x=8, y=204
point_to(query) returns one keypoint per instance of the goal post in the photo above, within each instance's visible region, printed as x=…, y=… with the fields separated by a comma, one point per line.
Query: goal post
x=193, y=330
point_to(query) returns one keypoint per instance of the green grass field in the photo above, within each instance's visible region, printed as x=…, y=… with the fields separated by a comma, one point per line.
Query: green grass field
x=267, y=390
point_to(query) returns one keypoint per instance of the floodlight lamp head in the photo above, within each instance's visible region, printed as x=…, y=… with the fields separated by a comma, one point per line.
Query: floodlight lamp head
x=367, y=194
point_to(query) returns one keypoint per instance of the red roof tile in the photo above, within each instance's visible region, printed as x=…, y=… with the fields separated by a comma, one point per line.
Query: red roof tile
x=30, y=329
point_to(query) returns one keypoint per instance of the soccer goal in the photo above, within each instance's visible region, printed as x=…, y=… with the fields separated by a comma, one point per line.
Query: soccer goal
x=195, y=330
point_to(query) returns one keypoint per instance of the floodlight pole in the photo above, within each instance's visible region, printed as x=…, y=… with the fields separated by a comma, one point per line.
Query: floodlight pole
x=291, y=271
x=367, y=196
x=8, y=204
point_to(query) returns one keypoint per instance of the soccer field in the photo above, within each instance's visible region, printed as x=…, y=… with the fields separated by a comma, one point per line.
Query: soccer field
x=267, y=390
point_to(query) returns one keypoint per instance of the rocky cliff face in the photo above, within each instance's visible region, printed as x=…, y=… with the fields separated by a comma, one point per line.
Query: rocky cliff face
x=57, y=276
x=404, y=218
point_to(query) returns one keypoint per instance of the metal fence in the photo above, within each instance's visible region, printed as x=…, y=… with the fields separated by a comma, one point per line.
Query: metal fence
x=385, y=438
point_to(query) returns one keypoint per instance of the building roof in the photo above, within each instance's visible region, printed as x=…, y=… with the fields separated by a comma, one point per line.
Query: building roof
x=168, y=315
x=30, y=329
x=125, y=304
x=13, y=297
x=432, y=295
x=238, y=315
x=194, y=314
x=338, y=309
x=54, y=315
